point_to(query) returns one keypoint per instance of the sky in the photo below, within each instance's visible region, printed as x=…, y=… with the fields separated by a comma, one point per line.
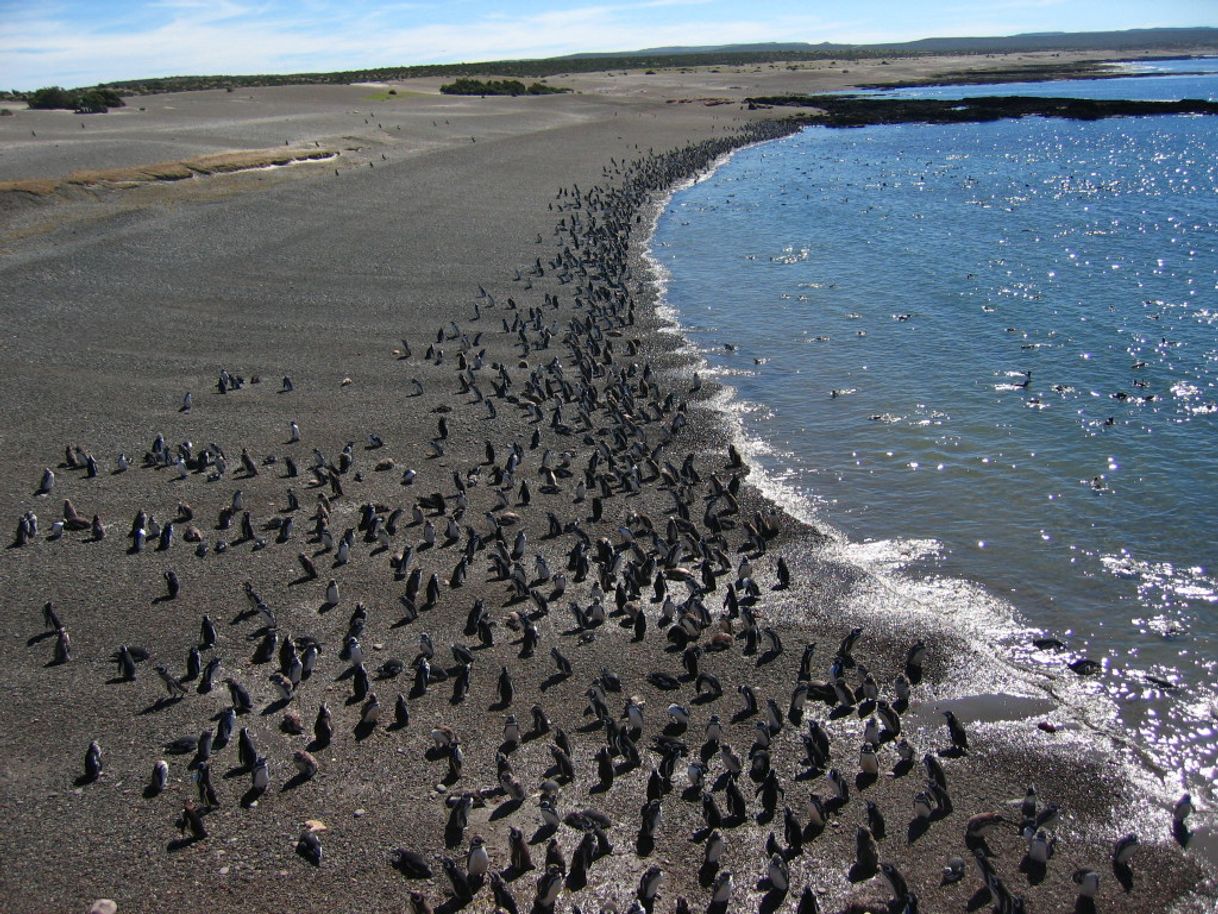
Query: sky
x=82, y=42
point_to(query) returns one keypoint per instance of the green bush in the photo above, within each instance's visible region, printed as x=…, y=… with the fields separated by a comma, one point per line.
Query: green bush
x=466, y=86
x=86, y=101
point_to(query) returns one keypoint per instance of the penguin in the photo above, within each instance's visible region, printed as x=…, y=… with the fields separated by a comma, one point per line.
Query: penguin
x=866, y=855
x=652, y=813
x=261, y=775
x=160, y=777
x=548, y=886
x=511, y=731
x=957, y=732
x=896, y=882
x=477, y=861
x=191, y=821
x=412, y=865
x=305, y=762
x=174, y=688
x=506, y=690
x=458, y=880
x=207, y=633
x=1088, y=882
x=518, y=849
x=713, y=851
x=401, y=712
x=322, y=727
x=777, y=874
x=309, y=847
x=649, y=884
x=1122, y=851
x=503, y=896
x=721, y=889
x=808, y=902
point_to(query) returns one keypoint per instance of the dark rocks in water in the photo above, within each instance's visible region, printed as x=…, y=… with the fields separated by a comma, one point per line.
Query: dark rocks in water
x=863, y=111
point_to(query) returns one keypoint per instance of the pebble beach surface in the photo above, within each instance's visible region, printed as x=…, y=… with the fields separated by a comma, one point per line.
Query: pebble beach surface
x=458, y=318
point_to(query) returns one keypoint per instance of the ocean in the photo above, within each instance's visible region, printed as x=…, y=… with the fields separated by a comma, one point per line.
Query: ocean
x=986, y=358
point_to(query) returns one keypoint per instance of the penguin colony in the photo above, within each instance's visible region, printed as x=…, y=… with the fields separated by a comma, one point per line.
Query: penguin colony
x=580, y=423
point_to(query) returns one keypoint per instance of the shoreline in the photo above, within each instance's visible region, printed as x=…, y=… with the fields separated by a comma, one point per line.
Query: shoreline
x=1022, y=696
x=302, y=295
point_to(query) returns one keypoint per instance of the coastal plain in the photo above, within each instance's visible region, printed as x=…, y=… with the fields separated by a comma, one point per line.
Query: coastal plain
x=144, y=251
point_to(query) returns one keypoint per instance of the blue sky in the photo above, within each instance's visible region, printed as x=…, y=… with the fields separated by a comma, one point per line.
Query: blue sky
x=81, y=42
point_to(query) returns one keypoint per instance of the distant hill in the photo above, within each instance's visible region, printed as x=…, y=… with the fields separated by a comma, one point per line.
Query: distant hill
x=1165, y=40
x=1200, y=37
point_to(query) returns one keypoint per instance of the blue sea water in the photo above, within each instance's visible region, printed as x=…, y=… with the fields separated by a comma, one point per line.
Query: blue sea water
x=996, y=347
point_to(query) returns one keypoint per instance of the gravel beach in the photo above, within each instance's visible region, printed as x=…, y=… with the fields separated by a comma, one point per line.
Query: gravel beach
x=455, y=311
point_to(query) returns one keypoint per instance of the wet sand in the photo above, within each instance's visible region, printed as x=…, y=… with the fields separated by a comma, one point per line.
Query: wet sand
x=120, y=296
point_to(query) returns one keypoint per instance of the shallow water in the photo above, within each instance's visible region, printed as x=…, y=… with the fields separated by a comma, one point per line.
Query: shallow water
x=988, y=353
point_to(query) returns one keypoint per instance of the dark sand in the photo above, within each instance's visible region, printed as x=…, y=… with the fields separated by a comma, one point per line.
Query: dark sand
x=116, y=301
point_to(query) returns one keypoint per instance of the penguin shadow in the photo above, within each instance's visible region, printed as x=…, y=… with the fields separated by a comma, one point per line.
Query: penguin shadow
x=1123, y=874
x=768, y=657
x=275, y=707
x=53, y=662
x=917, y=828
x=951, y=752
x=250, y=797
x=644, y=845
x=864, y=779
x=552, y=680
x=364, y=729
x=543, y=833
x=160, y=704
x=705, y=698
x=707, y=873
x=505, y=809
x=294, y=781
x=743, y=714
x=325, y=607
x=397, y=725
x=453, y=833
x=978, y=844
x=1181, y=833
x=1033, y=869
x=316, y=744
x=861, y=872
x=182, y=843
x=812, y=831
x=576, y=879
x=451, y=904
x=1084, y=905
x=85, y=779
x=771, y=899
x=979, y=899
x=841, y=711
x=902, y=768
x=36, y=639
x=913, y=674
x=809, y=774
x=303, y=579
x=717, y=907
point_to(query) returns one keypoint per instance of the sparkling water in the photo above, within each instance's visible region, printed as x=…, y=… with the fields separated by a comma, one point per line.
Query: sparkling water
x=992, y=348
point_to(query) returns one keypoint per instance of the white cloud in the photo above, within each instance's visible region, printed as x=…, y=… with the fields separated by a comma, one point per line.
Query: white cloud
x=231, y=37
